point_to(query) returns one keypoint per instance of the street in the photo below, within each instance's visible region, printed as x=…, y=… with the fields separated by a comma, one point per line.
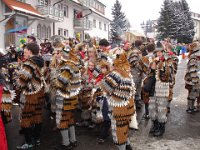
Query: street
x=182, y=129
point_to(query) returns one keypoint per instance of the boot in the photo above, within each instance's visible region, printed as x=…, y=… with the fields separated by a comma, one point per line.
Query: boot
x=161, y=130
x=146, y=115
x=138, y=104
x=154, y=126
x=128, y=147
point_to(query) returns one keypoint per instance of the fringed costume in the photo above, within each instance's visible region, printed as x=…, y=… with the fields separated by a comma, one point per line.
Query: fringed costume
x=158, y=103
x=133, y=58
x=86, y=96
x=6, y=97
x=31, y=83
x=173, y=60
x=119, y=88
x=148, y=85
x=68, y=86
x=192, y=77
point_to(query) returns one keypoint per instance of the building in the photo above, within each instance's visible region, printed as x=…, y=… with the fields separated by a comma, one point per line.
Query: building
x=44, y=18
x=196, y=19
x=134, y=35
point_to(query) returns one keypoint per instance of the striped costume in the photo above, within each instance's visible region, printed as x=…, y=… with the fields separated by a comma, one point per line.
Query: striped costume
x=158, y=103
x=6, y=97
x=68, y=85
x=31, y=83
x=192, y=77
x=119, y=88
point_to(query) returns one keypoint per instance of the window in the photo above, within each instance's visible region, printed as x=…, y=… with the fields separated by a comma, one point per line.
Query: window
x=43, y=2
x=105, y=27
x=48, y=32
x=60, y=31
x=66, y=33
x=43, y=32
x=100, y=27
x=39, y=31
x=94, y=23
x=65, y=9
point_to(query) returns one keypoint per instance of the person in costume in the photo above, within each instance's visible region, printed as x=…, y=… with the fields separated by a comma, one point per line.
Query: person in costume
x=86, y=96
x=68, y=86
x=158, y=102
x=6, y=97
x=30, y=82
x=172, y=59
x=192, y=77
x=118, y=87
x=134, y=56
x=53, y=73
x=102, y=111
x=149, y=80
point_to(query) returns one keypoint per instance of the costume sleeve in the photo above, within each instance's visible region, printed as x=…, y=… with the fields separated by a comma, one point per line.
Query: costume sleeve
x=7, y=98
x=63, y=79
x=109, y=83
x=191, y=76
x=25, y=74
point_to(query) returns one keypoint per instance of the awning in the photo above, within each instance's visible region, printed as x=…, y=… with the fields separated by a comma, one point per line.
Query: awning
x=18, y=30
x=22, y=7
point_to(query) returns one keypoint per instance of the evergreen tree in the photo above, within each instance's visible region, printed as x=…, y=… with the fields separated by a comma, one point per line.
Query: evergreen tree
x=119, y=23
x=165, y=21
x=175, y=22
x=187, y=30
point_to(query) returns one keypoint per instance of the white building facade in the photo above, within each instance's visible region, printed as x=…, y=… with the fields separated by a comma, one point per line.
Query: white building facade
x=44, y=18
x=196, y=19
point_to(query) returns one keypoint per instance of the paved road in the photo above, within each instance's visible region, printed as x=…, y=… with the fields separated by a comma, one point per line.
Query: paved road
x=182, y=129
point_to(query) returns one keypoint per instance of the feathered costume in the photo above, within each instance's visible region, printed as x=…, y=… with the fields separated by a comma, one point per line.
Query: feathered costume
x=6, y=97
x=31, y=83
x=68, y=86
x=158, y=103
x=119, y=88
x=192, y=77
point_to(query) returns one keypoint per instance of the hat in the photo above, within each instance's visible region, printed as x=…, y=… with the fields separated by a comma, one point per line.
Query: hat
x=31, y=37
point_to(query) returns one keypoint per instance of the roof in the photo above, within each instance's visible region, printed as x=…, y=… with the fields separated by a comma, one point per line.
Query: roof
x=136, y=33
x=22, y=7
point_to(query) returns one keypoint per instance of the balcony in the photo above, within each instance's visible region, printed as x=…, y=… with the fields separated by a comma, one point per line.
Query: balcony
x=82, y=24
x=51, y=13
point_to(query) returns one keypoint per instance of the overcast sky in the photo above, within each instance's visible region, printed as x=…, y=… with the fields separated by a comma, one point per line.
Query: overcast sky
x=138, y=11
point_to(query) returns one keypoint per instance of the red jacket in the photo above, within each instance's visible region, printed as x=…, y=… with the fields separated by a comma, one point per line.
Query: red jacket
x=3, y=141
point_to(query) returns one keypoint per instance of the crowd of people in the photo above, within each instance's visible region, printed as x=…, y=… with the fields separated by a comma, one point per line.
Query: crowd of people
x=106, y=84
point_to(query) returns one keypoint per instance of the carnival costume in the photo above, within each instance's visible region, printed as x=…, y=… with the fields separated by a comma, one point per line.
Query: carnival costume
x=6, y=97
x=133, y=58
x=31, y=83
x=192, y=77
x=119, y=88
x=68, y=86
x=158, y=103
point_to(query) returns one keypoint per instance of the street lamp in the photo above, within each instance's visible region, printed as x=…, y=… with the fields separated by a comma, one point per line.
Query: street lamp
x=146, y=26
